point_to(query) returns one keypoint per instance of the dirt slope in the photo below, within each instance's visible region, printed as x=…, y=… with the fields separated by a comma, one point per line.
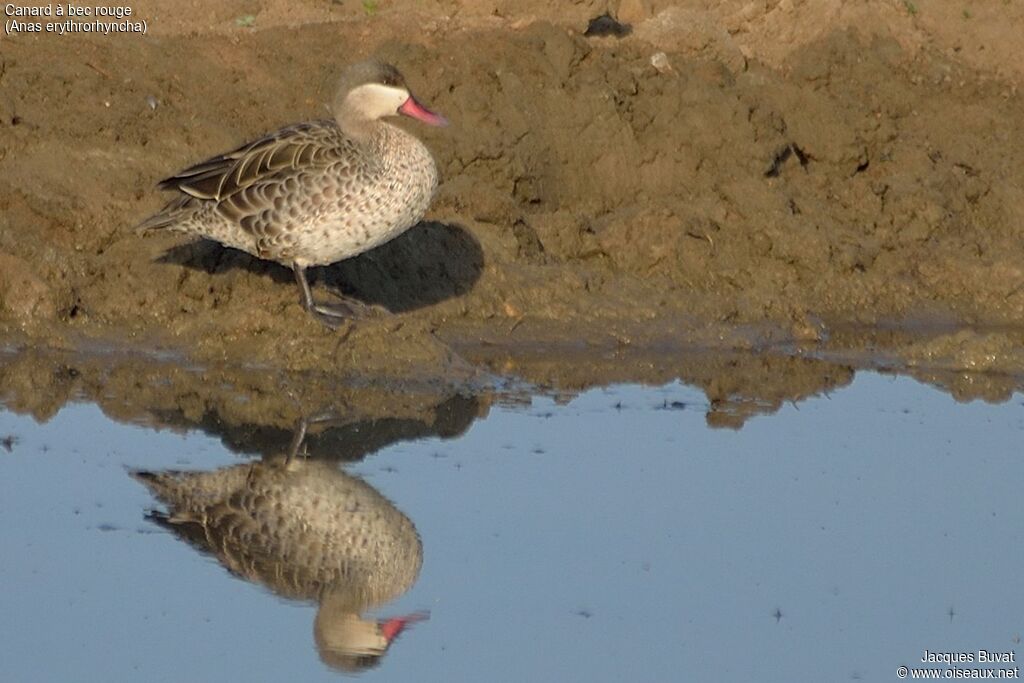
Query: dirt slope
x=726, y=174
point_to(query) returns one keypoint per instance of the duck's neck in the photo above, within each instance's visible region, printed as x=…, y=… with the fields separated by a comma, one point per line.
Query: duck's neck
x=376, y=136
x=359, y=128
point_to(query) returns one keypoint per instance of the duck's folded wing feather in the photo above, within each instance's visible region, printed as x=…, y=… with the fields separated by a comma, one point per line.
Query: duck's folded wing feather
x=295, y=148
x=247, y=184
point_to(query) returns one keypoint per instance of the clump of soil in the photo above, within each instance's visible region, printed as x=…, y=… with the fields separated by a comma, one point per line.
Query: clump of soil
x=712, y=171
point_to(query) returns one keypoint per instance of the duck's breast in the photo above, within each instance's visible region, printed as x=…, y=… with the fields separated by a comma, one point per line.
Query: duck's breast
x=385, y=196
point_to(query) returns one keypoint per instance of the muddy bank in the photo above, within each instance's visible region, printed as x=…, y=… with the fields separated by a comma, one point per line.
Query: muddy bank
x=736, y=191
x=257, y=411
x=251, y=412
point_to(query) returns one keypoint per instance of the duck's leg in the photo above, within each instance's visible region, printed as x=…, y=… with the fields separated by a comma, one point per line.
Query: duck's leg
x=298, y=436
x=330, y=315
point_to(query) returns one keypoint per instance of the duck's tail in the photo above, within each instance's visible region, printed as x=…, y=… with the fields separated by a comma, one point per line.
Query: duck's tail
x=170, y=216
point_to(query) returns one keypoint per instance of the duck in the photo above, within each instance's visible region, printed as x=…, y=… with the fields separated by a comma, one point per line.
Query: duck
x=315, y=193
x=307, y=531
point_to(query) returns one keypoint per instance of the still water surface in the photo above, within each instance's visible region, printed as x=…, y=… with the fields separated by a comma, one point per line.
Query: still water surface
x=614, y=537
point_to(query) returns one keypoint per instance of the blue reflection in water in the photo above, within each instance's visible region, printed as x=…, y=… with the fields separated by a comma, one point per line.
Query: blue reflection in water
x=607, y=539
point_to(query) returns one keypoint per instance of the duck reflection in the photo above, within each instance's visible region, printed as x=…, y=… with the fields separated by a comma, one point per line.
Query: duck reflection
x=307, y=531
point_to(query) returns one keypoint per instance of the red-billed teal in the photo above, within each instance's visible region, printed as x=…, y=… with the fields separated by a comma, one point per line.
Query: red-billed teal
x=307, y=531
x=315, y=193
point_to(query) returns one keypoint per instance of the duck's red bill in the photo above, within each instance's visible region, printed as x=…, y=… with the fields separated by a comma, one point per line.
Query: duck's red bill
x=391, y=628
x=418, y=111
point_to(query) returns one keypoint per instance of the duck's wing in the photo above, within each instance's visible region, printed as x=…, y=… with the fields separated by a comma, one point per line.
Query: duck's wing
x=304, y=146
x=248, y=183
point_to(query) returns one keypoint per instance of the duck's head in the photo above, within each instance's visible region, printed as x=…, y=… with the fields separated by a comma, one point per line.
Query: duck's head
x=371, y=90
x=347, y=642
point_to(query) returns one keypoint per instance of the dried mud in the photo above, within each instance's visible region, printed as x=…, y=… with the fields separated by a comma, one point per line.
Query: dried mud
x=840, y=183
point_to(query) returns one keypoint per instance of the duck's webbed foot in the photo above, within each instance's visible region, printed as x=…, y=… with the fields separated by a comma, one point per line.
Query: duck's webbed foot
x=334, y=314
x=331, y=315
x=359, y=309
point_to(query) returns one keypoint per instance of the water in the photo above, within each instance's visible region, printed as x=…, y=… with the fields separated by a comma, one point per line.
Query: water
x=614, y=536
